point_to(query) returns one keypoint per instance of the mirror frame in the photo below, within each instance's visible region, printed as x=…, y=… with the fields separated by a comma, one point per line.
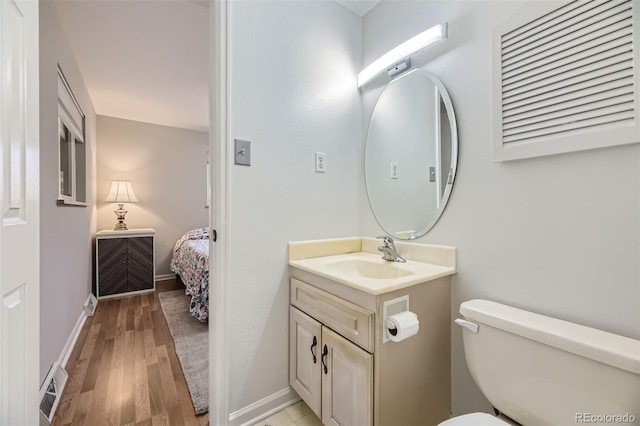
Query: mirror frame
x=446, y=99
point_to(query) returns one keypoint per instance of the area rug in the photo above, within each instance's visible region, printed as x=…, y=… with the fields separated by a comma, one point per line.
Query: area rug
x=191, y=339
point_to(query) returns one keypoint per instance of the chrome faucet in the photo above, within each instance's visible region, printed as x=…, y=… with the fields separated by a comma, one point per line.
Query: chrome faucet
x=388, y=250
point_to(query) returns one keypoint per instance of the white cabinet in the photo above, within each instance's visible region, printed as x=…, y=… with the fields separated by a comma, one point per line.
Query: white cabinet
x=332, y=375
x=367, y=381
x=305, y=335
x=347, y=382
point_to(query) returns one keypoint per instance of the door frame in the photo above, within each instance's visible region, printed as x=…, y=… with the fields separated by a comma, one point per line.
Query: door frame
x=218, y=212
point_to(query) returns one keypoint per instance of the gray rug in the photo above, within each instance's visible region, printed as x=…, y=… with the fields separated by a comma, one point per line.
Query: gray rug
x=192, y=346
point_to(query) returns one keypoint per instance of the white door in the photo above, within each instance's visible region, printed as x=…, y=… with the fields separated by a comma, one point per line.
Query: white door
x=19, y=229
x=347, y=382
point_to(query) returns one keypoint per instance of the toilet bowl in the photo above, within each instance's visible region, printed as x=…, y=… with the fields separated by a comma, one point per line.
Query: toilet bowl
x=475, y=419
x=536, y=369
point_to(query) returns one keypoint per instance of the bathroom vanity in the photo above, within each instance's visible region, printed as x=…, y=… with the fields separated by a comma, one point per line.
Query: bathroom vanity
x=342, y=363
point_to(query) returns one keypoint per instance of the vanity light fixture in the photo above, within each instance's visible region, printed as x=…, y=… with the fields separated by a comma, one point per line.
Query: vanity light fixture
x=403, y=51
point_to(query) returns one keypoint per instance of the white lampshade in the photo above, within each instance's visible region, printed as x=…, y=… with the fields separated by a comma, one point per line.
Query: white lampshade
x=121, y=192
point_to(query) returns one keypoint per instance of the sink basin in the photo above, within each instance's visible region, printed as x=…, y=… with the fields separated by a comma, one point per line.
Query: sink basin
x=368, y=269
x=356, y=263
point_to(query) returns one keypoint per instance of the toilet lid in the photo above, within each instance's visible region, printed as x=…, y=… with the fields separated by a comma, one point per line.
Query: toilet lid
x=474, y=419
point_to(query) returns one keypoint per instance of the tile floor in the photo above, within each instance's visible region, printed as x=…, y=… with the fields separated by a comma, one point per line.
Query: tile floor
x=296, y=415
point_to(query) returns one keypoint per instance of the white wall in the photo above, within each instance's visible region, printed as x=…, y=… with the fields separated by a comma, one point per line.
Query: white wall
x=558, y=235
x=65, y=232
x=293, y=92
x=167, y=167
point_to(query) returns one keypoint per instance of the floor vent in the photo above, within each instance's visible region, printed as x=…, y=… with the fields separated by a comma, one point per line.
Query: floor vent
x=51, y=391
x=90, y=305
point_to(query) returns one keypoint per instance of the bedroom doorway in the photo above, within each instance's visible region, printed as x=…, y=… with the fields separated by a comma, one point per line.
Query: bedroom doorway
x=148, y=123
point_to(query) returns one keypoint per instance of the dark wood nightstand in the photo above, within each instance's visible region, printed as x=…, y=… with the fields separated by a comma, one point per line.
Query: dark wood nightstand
x=125, y=262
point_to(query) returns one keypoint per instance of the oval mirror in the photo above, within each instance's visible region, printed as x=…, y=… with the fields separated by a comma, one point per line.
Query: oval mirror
x=411, y=154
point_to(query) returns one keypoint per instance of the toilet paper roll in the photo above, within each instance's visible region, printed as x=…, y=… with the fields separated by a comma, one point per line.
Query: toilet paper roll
x=401, y=326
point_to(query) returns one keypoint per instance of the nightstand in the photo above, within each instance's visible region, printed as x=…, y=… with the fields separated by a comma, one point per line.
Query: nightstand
x=125, y=262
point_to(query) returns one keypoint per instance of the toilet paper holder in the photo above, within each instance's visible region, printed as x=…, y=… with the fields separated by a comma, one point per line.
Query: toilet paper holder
x=391, y=307
x=401, y=326
x=391, y=327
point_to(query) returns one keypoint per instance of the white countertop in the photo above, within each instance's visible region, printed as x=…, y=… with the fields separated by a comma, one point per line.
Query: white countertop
x=349, y=261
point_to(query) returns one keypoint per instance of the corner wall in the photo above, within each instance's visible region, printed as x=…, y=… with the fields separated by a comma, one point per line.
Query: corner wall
x=65, y=232
x=167, y=168
x=557, y=235
x=293, y=92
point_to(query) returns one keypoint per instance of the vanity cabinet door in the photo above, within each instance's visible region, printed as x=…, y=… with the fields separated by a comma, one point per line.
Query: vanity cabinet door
x=347, y=382
x=304, y=359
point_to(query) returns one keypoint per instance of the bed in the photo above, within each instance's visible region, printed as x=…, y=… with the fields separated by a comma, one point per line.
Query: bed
x=191, y=262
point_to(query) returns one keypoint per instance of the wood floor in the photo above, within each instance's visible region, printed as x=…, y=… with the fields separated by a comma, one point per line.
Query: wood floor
x=124, y=369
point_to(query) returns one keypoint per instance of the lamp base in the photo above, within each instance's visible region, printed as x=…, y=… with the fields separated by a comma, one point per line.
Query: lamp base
x=120, y=214
x=120, y=226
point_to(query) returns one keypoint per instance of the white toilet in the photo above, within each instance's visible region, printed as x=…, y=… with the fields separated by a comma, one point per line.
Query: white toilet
x=537, y=370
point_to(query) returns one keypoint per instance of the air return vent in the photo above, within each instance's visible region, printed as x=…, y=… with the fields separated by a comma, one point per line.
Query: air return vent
x=90, y=305
x=566, y=79
x=50, y=392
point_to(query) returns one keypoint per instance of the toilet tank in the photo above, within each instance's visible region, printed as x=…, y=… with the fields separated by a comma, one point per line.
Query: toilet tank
x=541, y=370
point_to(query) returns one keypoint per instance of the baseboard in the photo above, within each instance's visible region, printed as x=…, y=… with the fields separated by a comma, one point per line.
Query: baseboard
x=264, y=408
x=71, y=341
x=165, y=277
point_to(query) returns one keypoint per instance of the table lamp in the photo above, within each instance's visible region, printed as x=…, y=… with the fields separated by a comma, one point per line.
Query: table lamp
x=121, y=192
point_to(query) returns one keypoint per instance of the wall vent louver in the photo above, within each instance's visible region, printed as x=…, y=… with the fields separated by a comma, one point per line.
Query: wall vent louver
x=50, y=392
x=90, y=305
x=565, y=78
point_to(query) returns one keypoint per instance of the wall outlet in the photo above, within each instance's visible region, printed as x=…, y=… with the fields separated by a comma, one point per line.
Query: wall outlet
x=321, y=162
x=394, y=170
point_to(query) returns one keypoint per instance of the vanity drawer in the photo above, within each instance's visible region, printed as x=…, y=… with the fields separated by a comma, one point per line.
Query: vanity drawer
x=351, y=321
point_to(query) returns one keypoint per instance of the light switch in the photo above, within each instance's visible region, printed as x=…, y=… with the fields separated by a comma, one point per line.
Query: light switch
x=321, y=162
x=243, y=152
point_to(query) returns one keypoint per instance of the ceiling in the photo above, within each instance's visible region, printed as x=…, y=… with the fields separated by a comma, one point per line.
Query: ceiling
x=359, y=7
x=143, y=60
x=148, y=60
